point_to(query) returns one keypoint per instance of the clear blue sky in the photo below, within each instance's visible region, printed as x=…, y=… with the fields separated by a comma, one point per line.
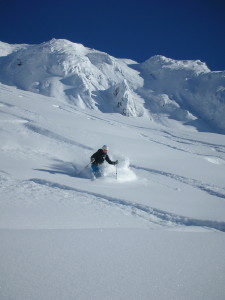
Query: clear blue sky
x=135, y=29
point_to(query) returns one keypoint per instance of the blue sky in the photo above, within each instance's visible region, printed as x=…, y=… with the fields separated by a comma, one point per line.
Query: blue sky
x=135, y=29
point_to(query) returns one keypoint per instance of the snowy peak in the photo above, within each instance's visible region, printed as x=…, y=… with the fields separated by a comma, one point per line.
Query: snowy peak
x=189, y=85
x=66, y=70
x=6, y=49
x=158, y=62
x=62, y=45
x=183, y=90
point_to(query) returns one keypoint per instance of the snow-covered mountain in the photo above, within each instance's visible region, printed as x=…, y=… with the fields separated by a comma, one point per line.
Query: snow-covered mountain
x=153, y=227
x=183, y=90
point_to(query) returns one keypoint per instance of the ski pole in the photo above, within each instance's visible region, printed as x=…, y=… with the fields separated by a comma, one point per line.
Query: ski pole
x=116, y=171
x=84, y=168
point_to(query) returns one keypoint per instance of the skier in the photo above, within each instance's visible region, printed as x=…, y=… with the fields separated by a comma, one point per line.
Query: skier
x=98, y=158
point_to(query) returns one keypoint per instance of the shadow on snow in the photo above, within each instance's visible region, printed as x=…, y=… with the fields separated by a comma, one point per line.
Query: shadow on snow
x=67, y=168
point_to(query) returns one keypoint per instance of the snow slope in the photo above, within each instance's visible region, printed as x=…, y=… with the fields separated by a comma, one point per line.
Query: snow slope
x=182, y=90
x=155, y=232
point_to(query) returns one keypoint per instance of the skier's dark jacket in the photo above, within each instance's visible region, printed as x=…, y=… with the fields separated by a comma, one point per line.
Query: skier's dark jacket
x=100, y=156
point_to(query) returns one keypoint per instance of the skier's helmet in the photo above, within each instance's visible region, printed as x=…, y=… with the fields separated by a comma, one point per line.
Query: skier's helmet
x=105, y=148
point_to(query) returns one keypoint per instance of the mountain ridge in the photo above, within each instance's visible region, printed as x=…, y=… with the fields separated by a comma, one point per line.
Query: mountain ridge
x=184, y=90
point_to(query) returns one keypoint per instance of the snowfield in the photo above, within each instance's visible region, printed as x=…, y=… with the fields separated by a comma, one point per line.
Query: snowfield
x=152, y=228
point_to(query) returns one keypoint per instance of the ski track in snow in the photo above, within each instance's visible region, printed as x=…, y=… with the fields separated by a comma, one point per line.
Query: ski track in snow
x=153, y=215
x=190, y=141
x=16, y=116
x=210, y=189
x=5, y=104
x=54, y=136
x=187, y=143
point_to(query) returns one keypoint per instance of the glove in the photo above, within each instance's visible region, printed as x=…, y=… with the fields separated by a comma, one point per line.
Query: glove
x=116, y=162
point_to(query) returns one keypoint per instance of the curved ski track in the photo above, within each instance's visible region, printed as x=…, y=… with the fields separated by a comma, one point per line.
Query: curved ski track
x=153, y=215
x=210, y=189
